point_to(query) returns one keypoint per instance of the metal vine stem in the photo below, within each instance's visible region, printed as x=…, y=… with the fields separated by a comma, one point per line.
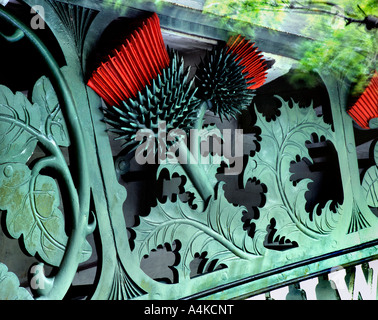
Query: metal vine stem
x=57, y=286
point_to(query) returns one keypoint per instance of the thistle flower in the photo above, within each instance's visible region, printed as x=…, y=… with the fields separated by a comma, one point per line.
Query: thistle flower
x=133, y=66
x=143, y=85
x=366, y=106
x=168, y=98
x=227, y=76
x=244, y=52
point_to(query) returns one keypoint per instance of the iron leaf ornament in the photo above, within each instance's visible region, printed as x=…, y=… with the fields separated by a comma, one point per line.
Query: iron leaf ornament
x=31, y=200
x=10, y=288
x=218, y=230
x=282, y=141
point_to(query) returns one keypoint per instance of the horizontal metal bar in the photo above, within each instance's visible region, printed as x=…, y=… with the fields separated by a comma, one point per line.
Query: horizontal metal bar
x=282, y=269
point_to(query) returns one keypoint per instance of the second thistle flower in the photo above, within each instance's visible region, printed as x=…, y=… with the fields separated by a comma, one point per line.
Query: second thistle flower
x=227, y=76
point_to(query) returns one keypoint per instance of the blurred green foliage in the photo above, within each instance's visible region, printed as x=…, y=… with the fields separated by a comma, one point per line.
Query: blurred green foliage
x=349, y=50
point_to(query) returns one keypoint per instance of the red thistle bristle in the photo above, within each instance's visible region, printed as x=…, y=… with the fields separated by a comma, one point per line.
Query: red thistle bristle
x=366, y=107
x=250, y=58
x=131, y=67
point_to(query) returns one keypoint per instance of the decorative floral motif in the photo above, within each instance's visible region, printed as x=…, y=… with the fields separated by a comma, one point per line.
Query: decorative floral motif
x=284, y=140
x=30, y=199
x=218, y=230
x=10, y=286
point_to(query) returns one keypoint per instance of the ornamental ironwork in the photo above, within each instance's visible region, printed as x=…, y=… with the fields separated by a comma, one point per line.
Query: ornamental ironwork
x=65, y=180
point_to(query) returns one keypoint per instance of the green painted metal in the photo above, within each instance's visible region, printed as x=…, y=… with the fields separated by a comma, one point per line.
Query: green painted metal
x=10, y=286
x=288, y=243
x=18, y=176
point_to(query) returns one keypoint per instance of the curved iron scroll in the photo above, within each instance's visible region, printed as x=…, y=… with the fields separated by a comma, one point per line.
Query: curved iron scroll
x=79, y=192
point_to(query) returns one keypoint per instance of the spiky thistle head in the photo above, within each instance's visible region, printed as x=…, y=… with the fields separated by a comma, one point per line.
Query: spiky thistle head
x=169, y=99
x=227, y=75
x=144, y=85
